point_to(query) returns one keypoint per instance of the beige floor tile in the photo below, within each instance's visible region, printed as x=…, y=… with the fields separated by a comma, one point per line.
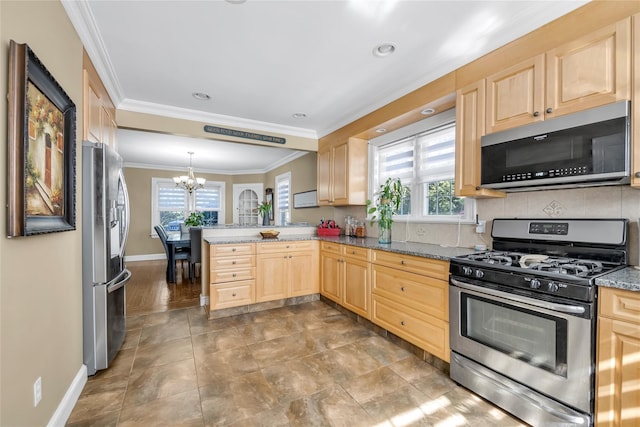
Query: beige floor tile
x=181, y=409
x=283, y=349
x=296, y=379
x=163, y=353
x=222, y=365
x=374, y=385
x=156, y=382
x=331, y=406
x=234, y=399
x=211, y=342
x=163, y=332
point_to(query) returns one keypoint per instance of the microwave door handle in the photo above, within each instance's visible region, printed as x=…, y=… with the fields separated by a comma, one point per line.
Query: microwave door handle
x=562, y=308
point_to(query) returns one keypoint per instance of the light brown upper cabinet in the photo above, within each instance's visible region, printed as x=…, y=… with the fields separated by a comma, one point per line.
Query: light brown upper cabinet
x=99, y=114
x=635, y=102
x=470, y=101
x=342, y=173
x=588, y=72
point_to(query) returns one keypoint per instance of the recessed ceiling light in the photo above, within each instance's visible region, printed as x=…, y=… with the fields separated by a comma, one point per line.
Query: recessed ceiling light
x=427, y=111
x=201, y=96
x=381, y=130
x=298, y=115
x=384, y=49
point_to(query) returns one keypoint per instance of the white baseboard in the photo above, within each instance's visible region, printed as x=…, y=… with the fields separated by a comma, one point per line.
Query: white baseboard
x=62, y=413
x=148, y=257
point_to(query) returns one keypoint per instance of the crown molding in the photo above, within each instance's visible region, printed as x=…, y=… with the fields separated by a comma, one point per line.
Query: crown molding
x=271, y=167
x=219, y=119
x=83, y=21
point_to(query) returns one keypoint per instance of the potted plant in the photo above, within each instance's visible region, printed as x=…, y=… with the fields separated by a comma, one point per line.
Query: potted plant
x=388, y=200
x=264, y=209
x=195, y=219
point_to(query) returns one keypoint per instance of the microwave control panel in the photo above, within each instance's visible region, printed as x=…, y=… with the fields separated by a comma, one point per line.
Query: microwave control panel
x=551, y=173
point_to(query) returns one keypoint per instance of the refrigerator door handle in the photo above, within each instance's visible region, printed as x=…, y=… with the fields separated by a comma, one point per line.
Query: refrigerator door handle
x=119, y=281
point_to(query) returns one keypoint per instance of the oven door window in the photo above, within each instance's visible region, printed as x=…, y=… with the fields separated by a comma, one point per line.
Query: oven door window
x=535, y=338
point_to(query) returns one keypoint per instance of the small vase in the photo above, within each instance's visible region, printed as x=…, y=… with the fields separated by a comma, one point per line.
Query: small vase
x=384, y=235
x=265, y=220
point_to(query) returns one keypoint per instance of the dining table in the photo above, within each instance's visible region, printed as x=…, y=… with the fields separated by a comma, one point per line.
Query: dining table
x=176, y=241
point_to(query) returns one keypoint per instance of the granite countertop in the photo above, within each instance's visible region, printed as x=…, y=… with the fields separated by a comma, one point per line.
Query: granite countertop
x=627, y=278
x=408, y=248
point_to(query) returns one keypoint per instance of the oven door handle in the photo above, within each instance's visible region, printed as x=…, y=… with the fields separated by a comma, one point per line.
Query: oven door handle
x=571, y=309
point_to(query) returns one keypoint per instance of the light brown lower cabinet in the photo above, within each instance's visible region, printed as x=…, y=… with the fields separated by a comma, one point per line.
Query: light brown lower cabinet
x=232, y=273
x=345, y=276
x=618, y=359
x=411, y=305
x=286, y=269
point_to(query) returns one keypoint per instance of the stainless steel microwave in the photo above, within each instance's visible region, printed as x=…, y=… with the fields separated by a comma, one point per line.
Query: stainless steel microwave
x=587, y=148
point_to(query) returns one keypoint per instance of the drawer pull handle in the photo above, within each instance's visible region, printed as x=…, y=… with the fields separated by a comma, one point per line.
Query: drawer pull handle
x=233, y=249
x=233, y=262
x=403, y=262
x=536, y=113
x=403, y=289
x=289, y=256
x=234, y=275
x=233, y=295
x=288, y=246
x=402, y=322
x=353, y=252
x=549, y=110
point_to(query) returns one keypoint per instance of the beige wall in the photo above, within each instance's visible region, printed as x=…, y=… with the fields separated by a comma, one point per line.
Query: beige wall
x=140, y=243
x=40, y=276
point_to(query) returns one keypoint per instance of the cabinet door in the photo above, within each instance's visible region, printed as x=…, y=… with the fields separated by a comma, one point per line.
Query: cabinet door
x=590, y=71
x=272, y=277
x=618, y=382
x=325, y=196
x=357, y=287
x=635, y=101
x=93, y=111
x=331, y=276
x=341, y=174
x=303, y=273
x=515, y=96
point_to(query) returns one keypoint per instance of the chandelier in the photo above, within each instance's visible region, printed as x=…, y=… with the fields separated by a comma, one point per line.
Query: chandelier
x=189, y=182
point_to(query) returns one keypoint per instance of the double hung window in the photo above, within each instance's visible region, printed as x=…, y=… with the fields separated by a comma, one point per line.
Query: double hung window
x=172, y=204
x=423, y=157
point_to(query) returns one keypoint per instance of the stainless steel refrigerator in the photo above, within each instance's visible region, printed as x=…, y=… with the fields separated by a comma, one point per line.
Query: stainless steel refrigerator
x=105, y=226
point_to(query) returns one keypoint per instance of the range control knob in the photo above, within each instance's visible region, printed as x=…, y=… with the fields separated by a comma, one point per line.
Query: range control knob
x=467, y=271
x=534, y=284
x=479, y=274
x=552, y=287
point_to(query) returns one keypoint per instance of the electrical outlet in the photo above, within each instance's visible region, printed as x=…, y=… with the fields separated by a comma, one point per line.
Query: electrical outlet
x=420, y=230
x=37, y=391
x=481, y=226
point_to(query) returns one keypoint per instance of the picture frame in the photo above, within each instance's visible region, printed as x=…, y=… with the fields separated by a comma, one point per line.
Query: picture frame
x=41, y=149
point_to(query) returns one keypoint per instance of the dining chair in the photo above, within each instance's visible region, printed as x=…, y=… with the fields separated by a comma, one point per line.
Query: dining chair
x=181, y=254
x=195, y=256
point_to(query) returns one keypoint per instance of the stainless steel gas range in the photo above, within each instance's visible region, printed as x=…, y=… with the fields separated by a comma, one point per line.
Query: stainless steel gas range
x=523, y=316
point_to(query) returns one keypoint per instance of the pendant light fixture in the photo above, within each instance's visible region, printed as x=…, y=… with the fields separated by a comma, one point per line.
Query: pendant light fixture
x=189, y=182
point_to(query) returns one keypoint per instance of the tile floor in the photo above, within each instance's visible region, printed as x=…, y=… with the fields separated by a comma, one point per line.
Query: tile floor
x=304, y=365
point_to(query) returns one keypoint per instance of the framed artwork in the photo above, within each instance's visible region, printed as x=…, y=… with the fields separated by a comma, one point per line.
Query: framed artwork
x=41, y=152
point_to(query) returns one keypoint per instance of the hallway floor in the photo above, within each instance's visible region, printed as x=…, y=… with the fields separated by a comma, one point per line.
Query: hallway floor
x=294, y=366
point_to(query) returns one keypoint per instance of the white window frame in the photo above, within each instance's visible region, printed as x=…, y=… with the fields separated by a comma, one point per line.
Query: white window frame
x=276, y=212
x=189, y=202
x=417, y=188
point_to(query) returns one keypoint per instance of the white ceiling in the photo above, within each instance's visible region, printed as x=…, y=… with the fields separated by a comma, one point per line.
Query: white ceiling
x=261, y=61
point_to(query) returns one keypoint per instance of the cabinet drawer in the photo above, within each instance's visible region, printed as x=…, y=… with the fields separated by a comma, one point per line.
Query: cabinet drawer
x=226, y=250
x=435, y=268
x=232, y=295
x=620, y=304
x=426, y=332
x=356, y=252
x=425, y=294
x=232, y=262
x=273, y=247
x=334, y=248
x=233, y=275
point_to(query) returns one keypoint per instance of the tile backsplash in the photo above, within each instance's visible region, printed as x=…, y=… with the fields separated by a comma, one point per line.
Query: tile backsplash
x=620, y=201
